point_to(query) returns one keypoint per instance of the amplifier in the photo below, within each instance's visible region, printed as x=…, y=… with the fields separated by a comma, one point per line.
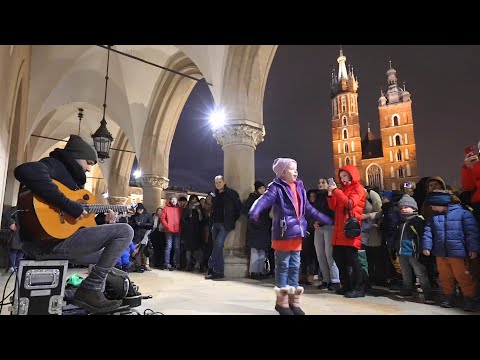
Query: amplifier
x=40, y=287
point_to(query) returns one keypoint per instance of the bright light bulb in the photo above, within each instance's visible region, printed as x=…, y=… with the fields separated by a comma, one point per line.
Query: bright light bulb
x=217, y=119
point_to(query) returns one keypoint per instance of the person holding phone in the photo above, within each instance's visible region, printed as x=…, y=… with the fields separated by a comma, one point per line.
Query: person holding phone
x=347, y=200
x=471, y=178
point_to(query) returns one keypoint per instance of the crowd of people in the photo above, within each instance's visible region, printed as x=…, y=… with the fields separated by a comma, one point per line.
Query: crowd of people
x=423, y=239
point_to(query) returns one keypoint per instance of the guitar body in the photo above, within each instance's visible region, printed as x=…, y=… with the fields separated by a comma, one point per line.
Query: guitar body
x=42, y=221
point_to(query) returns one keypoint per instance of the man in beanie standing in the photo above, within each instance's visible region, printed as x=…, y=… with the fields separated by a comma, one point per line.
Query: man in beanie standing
x=100, y=245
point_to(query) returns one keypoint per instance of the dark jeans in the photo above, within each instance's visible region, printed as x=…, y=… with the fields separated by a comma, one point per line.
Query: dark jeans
x=101, y=245
x=14, y=257
x=307, y=256
x=346, y=258
x=219, y=234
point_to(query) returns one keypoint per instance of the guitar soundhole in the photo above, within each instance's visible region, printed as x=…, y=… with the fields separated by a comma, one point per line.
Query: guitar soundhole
x=86, y=197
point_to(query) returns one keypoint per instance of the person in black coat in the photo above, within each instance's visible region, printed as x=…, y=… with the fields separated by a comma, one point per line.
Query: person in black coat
x=191, y=221
x=100, y=245
x=13, y=243
x=225, y=212
x=258, y=234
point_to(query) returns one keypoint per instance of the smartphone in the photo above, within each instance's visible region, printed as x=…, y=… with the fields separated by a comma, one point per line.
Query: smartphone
x=407, y=185
x=470, y=150
x=331, y=181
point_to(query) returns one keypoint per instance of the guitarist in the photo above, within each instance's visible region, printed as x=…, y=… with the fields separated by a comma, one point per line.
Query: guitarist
x=100, y=245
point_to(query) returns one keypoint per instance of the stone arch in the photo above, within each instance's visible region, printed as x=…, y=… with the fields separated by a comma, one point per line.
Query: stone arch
x=167, y=101
x=16, y=124
x=121, y=162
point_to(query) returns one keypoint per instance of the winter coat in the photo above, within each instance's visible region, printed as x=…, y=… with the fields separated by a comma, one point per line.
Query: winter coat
x=454, y=234
x=125, y=258
x=471, y=181
x=408, y=236
x=321, y=204
x=258, y=232
x=338, y=202
x=231, y=207
x=371, y=216
x=140, y=224
x=191, y=227
x=286, y=224
x=37, y=176
x=171, y=216
x=12, y=239
x=390, y=220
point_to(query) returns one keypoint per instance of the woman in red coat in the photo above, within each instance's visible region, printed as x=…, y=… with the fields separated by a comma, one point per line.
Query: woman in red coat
x=345, y=250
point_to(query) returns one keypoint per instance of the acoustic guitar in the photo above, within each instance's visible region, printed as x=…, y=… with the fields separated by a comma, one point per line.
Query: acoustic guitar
x=44, y=222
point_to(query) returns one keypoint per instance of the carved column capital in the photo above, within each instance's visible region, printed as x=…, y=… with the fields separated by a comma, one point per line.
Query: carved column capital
x=242, y=132
x=154, y=181
x=117, y=200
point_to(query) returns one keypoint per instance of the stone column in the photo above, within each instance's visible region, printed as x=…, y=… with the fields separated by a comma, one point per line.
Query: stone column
x=238, y=140
x=152, y=186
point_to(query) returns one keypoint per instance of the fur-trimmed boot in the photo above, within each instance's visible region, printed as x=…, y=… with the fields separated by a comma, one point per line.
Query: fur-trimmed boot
x=294, y=299
x=282, y=301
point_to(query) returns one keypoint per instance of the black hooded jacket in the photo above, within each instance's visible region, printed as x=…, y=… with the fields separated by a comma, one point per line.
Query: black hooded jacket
x=37, y=176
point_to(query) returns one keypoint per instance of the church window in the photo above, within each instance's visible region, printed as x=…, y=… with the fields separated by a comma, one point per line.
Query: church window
x=399, y=155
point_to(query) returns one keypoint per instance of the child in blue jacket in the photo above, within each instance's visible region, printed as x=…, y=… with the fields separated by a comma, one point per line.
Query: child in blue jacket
x=124, y=262
x=452, y=235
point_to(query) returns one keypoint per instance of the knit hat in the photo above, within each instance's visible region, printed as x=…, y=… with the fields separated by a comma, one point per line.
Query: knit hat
x=79, y=149
x=438, y=198
x=280, y=164
x=387, y=194
x=141, y=206
x=258, y=184
x=407, y=200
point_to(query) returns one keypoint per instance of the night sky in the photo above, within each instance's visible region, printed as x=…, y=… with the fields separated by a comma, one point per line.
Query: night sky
x=443, y=82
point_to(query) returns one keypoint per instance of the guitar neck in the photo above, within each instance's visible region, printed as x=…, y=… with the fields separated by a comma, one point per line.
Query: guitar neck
x=99, y=208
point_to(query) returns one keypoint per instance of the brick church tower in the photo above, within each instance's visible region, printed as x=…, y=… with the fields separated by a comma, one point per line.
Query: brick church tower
x=345, y=122
x=398, y=137
x=386, y=162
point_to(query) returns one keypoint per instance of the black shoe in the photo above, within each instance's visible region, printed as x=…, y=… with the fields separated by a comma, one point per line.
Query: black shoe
x=214, y=276
x=469, y=305
x=341, y=291
x=323, y=286
x=333, y=286
x=354, y=294
x=94, y=301
x=448, y=302
x=297, y=310
x=284, y=311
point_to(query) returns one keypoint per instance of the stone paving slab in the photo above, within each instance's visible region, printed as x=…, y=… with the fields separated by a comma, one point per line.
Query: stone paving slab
x=183, y=293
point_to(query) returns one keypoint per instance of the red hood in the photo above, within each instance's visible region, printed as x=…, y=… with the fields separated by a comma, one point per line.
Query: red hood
x=353, y=171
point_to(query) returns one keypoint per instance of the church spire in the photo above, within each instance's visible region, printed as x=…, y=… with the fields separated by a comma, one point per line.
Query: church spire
x=342, y=69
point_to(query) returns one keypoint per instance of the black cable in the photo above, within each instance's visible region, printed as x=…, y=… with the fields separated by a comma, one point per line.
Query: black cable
x=5, y=289
x=151, y=312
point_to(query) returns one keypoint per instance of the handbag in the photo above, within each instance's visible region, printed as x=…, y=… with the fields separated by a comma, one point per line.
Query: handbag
x=352, y=227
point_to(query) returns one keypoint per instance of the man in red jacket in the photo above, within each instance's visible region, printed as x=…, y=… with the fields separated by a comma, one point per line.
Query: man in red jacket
x=170, y=218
